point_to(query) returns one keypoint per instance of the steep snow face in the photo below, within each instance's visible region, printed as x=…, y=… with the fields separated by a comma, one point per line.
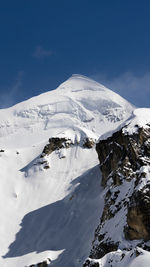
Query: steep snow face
x=79, y=103
x=53, y=213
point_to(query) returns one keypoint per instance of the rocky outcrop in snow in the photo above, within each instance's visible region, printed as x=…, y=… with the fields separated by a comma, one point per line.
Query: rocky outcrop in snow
x=56, y=143
x=59, y=145
x=125, y=164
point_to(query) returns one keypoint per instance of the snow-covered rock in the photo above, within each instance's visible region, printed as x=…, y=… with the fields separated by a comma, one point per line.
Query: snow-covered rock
x=124, y=229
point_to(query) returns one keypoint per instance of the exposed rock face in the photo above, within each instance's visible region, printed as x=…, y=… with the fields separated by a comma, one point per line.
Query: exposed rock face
x=56, y=143
x=123, y=155
x=90, y=263
x=138, y=216
x=59, y=145
x=89, y=142
x=125, y=165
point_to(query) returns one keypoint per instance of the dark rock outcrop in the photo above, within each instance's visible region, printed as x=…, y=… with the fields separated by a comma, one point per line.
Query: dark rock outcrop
x=56, y=143
x=124, y=162
x=88, y=142
x=90, y=263
x=138, y=217
x=123, y=154
x=59, y=145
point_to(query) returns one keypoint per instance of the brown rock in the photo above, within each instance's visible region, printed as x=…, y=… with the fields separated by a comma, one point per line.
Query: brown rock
x=121, y=156
x=56, y=143
x=88, y=142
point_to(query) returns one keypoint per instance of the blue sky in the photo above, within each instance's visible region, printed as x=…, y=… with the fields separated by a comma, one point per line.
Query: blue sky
x=43, y=42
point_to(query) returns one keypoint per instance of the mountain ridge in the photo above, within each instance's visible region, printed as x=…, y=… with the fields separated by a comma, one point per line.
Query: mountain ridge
x=123, y=234
x=50, y=179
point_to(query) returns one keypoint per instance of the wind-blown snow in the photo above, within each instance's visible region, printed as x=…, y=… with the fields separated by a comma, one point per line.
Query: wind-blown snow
x=54, y=212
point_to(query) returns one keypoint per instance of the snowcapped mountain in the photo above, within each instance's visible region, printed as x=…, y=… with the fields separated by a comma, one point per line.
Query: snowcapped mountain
x=79, y=104
x=51, y=197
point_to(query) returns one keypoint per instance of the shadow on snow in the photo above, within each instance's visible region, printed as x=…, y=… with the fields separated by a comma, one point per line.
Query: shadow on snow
x=67, y=224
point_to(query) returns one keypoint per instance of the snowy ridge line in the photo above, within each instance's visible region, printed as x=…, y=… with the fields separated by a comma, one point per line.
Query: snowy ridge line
x=79, y=76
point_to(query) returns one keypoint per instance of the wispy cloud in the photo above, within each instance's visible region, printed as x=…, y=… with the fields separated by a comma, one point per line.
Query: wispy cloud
x=41, y=52
x=135, y=88
x=9, y=98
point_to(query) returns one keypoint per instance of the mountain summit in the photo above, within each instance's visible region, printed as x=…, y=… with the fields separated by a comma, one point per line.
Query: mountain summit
x=55, y=203
x=79, y=103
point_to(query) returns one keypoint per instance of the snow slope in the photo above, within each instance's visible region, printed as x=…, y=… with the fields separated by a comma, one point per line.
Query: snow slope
x=53, y=213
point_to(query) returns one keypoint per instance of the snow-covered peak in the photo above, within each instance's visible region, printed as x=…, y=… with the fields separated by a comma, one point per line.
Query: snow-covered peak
x=79, y=82
x=78, y=103
x=50, y=181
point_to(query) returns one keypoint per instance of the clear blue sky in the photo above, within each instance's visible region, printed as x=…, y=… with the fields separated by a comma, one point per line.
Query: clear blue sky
x=43, y=42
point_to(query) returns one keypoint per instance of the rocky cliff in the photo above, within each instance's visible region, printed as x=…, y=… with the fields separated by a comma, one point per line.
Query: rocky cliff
x=125, y=223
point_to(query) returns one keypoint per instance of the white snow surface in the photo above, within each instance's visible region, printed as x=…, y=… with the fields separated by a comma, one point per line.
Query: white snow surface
x=124, y=258
x=77, y=103
x=53, y=213
x=140, y=118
